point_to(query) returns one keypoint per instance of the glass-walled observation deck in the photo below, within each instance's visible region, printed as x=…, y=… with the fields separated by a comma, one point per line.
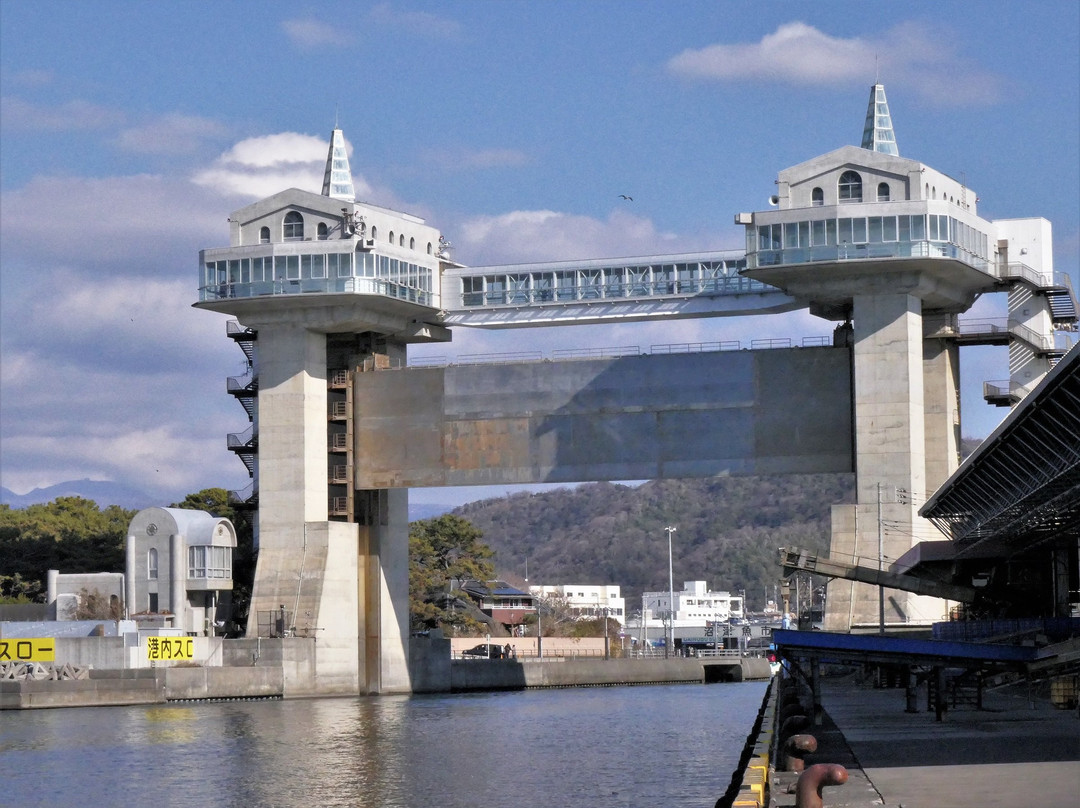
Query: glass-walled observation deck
x=832, y=238
x=262, y=270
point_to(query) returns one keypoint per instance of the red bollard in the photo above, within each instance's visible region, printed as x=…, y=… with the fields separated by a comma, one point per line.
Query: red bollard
x=815, y=778
x=795, y=748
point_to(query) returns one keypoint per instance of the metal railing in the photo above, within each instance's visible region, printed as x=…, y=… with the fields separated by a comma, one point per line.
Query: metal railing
x=614, y=352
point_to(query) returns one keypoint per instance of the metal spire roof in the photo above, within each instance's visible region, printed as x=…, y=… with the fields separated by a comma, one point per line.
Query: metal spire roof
x=337, y=180
x=878, y=132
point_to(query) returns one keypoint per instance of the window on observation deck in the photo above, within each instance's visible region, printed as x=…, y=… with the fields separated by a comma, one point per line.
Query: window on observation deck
x=264, y=235
x=883, y=192
x=817, y=197
x=322, y=231
x=850, y=187
x=293, y=228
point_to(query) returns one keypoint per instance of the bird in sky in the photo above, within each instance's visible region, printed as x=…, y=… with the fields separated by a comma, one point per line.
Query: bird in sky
x=627, y=198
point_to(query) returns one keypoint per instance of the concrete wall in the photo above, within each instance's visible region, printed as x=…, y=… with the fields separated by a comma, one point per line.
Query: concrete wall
x=216, y=683
x=640, y=417
x=526, y=646
x=501, y=674
x=145, y=686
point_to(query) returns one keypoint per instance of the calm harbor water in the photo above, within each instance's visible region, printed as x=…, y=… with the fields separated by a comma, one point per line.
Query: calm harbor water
x=599, y=747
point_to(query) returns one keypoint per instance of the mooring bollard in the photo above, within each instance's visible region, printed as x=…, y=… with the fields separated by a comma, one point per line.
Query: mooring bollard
x=795, y=748
x=815, y=778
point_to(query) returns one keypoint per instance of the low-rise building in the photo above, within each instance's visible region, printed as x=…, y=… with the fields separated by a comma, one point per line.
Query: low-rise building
x=179, y=563
x=587, y=601
x=502, y=602
x=694, y=605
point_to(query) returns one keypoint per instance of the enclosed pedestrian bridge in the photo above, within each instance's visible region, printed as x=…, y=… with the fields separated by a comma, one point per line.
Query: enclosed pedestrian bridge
x=708, y=284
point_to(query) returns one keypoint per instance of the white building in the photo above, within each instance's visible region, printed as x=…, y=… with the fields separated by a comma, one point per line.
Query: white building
x=179, y=563
x=587, y=600
x=695, y=605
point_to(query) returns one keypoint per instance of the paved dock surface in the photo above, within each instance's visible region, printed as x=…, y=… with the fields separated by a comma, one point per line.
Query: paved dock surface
x=1017, y=752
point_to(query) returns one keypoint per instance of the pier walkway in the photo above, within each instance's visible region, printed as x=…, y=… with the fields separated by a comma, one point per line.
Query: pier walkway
x=1018, y=750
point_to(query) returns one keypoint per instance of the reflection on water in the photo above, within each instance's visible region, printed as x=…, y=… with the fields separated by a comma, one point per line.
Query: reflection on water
x=604, y=747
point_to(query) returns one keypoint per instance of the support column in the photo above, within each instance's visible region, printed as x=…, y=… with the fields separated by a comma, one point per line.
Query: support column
x=177, y=577
x=129, y=577
x=890, y=442
x=941, y=389
x=383, y=583
x=292, y=430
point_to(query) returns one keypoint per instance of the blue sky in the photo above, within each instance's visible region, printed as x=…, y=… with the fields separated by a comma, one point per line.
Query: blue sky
x=129, y=131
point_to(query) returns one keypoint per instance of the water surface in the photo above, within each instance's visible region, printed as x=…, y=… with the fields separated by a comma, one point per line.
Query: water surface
x=667, y=745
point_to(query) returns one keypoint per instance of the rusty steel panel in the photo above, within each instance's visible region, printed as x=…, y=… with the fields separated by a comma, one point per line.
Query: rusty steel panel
x=638, y=417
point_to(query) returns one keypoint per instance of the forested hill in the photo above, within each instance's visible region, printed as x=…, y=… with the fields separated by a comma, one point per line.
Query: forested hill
x=728, y=531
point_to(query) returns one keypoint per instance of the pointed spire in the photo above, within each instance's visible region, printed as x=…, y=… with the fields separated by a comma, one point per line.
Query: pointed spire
x=337, y=180
x=878, y=132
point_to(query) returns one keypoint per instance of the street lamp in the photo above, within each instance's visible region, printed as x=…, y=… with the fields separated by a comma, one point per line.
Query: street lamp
x=669, y=644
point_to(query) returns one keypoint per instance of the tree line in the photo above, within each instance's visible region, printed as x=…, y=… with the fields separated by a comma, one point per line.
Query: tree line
x=728, y=530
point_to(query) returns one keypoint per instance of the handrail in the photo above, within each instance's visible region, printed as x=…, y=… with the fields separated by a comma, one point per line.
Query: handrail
x=248, y=437
x=696, y=347
x=609, y=352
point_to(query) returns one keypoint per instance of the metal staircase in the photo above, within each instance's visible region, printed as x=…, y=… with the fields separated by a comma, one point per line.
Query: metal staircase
x=245, y=389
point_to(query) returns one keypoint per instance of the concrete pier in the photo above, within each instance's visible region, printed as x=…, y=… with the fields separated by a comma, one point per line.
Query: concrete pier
x=1017, y=750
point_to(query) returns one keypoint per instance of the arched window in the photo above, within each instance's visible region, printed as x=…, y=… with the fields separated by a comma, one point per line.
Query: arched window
x=374, y=233
x=322, y=231
x=850, y=187
x=401, y=240
x=817, y=197
x=391, y=238
x=412, y=244
x=429, y=248
x=151, y=563
x=293, y=229
x=264, y=235
x=883, y=192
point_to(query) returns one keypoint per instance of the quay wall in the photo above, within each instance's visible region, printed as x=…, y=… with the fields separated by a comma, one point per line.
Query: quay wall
x=285, y=668
x=510, y=674
x=103, y=688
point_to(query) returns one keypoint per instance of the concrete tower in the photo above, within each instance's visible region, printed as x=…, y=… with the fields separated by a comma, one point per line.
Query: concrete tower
x=324, y=288
x=893, y=250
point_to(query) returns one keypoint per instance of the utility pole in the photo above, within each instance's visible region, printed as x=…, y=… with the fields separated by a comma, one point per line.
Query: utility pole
x=670, y=643
x=880, y=563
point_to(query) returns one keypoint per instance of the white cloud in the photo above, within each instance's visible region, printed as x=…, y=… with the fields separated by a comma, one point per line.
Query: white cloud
x=261, y=166
x=19, y=114
x=310, y=34
x=144, y=221
x=269, y=151
x=913, y=55
x=796, y=51
x=170, y=134
x=545, y=235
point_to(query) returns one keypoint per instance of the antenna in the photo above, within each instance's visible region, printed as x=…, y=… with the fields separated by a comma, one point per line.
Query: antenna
x=877, y=71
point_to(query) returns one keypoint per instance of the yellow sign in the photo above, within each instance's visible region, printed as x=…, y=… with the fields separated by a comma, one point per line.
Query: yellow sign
x=164, y=648
x=28, y=650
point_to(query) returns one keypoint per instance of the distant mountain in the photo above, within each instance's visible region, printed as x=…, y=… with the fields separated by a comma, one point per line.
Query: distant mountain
x=427, y=511
x=103, y=492
x=106, y=493
x=727, y=533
